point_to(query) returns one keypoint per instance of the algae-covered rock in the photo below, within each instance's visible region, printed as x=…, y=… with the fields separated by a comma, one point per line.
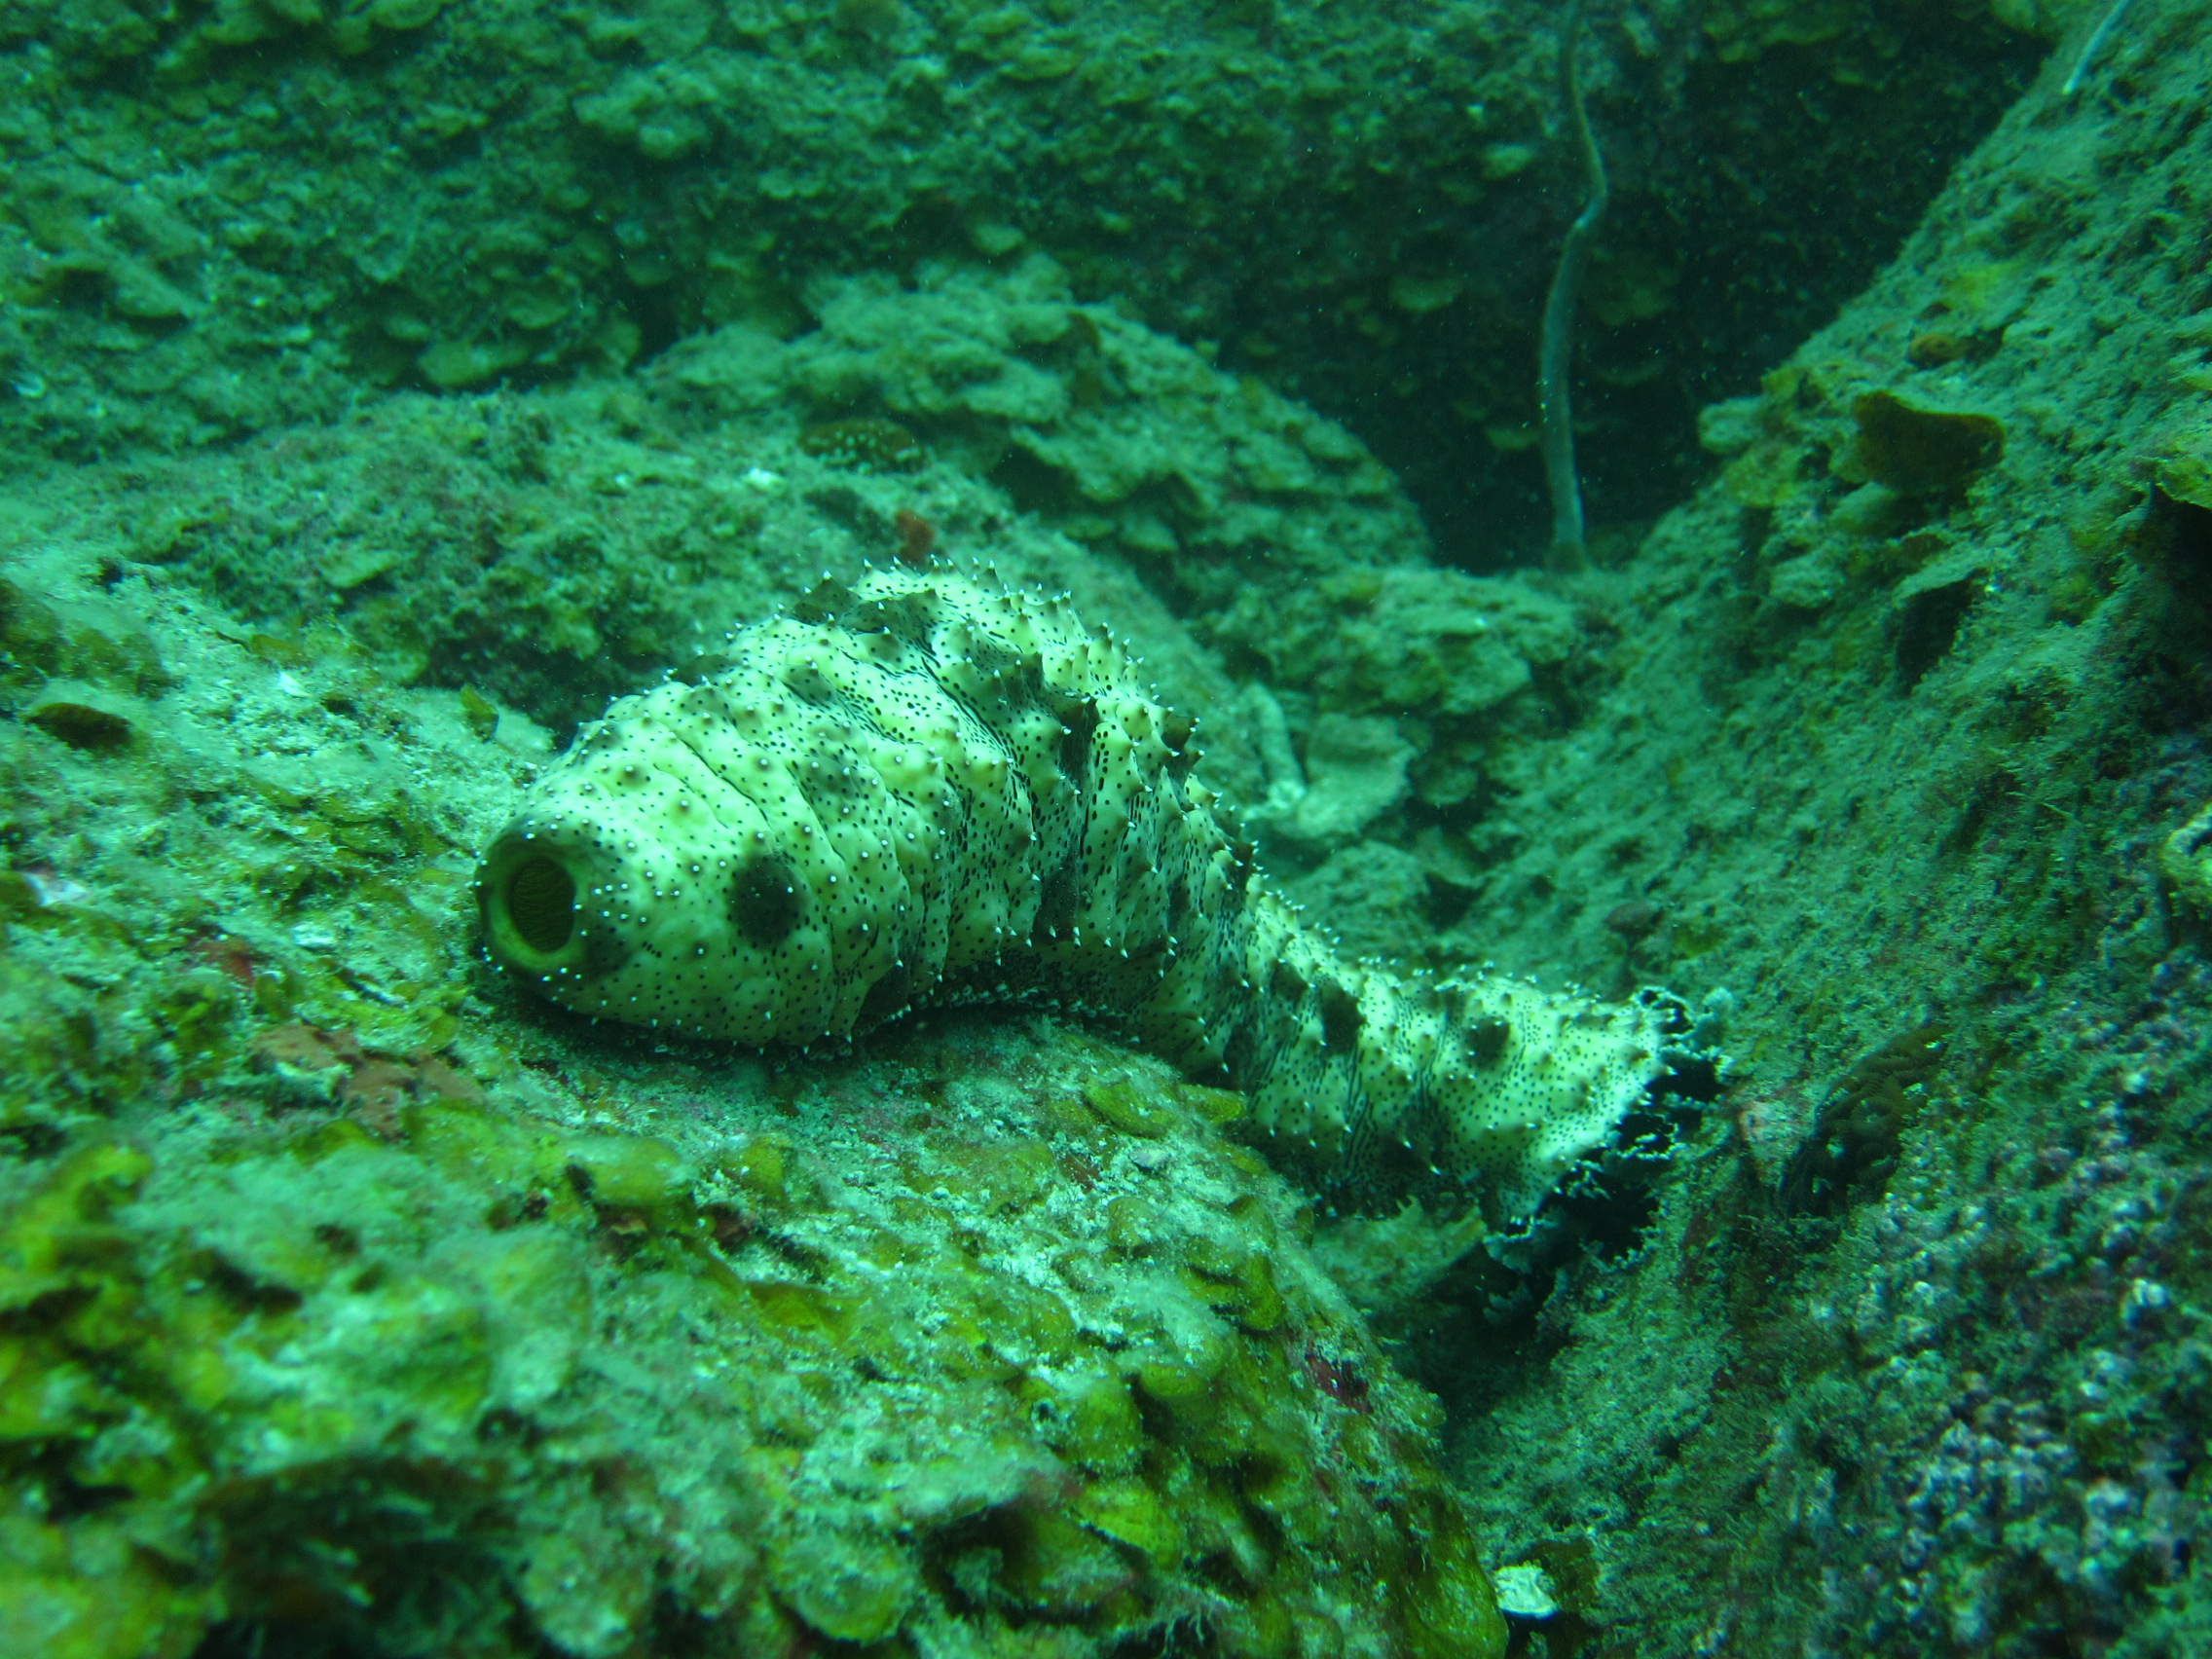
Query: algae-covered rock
x=2185, y=858
x=1355, y=771
x=374, y=1335
x=1807, y=582
x=543, y=553
x=2184, y=467
x=1914, y=447
x=1125, y=438
x=410, y=192
x=1409, y=638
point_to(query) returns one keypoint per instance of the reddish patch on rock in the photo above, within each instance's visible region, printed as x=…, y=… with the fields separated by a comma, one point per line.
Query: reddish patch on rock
x=916, y=537
x=1339, y=1378
x=376, y=1085
x=374, y=1095
x=442, y=1081
x=232, y=955
x=304, y=1048
x=1773, y=1123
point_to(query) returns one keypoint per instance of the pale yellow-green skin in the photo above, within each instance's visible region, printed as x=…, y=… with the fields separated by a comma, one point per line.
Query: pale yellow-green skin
x=926, y=791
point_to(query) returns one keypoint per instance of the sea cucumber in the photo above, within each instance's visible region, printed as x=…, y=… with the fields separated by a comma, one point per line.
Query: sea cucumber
x=922, y=790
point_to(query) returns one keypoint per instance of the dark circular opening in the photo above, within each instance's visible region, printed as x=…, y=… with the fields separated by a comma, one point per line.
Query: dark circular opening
x=542, y=904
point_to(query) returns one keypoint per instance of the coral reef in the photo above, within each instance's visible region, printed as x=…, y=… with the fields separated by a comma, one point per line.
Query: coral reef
x=388, y=384
x=1906, y=744
x=1129, y=442
x=491, y=1373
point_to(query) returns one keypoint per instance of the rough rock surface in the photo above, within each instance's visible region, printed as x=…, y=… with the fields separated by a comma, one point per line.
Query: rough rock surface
x=225, y=216
x=1918, y=1333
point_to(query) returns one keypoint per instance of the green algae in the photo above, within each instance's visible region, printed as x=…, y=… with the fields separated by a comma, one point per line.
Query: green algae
x=407, y=1301
x=1912, y=449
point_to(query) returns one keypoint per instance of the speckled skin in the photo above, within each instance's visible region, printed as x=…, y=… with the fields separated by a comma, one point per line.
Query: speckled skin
x=929, y=792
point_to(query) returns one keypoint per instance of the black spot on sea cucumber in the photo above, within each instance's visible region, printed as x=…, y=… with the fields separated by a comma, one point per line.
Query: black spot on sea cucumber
x=1285, y=981
x=764, y=902
x=1080, y=716
x=1056, y=903
x=810, y=686
x=1340, y=1017
x=1486, y=1039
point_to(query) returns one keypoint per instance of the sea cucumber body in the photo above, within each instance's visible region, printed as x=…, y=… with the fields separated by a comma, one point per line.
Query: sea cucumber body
x=924, y=792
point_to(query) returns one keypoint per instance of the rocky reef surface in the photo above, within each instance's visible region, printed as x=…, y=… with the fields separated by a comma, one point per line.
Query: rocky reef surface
x=357, y=1303
x=230, y=213
x=1901, y=748
x=352, y=1303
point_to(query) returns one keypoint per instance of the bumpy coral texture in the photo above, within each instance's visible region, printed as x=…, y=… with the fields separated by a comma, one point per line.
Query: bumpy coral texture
x=927, y=791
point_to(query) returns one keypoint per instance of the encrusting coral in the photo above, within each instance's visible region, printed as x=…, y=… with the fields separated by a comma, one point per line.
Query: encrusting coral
x=924, y=791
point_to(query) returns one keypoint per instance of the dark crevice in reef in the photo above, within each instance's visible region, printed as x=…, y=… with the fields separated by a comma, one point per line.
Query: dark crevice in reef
x=1756, y=197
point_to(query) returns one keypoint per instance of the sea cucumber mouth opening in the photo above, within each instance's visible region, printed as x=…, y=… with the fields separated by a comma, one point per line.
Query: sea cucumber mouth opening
x=541, y=903
x=528, y=893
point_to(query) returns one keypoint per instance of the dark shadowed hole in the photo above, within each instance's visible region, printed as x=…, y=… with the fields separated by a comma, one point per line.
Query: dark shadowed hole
x=1930, y=628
